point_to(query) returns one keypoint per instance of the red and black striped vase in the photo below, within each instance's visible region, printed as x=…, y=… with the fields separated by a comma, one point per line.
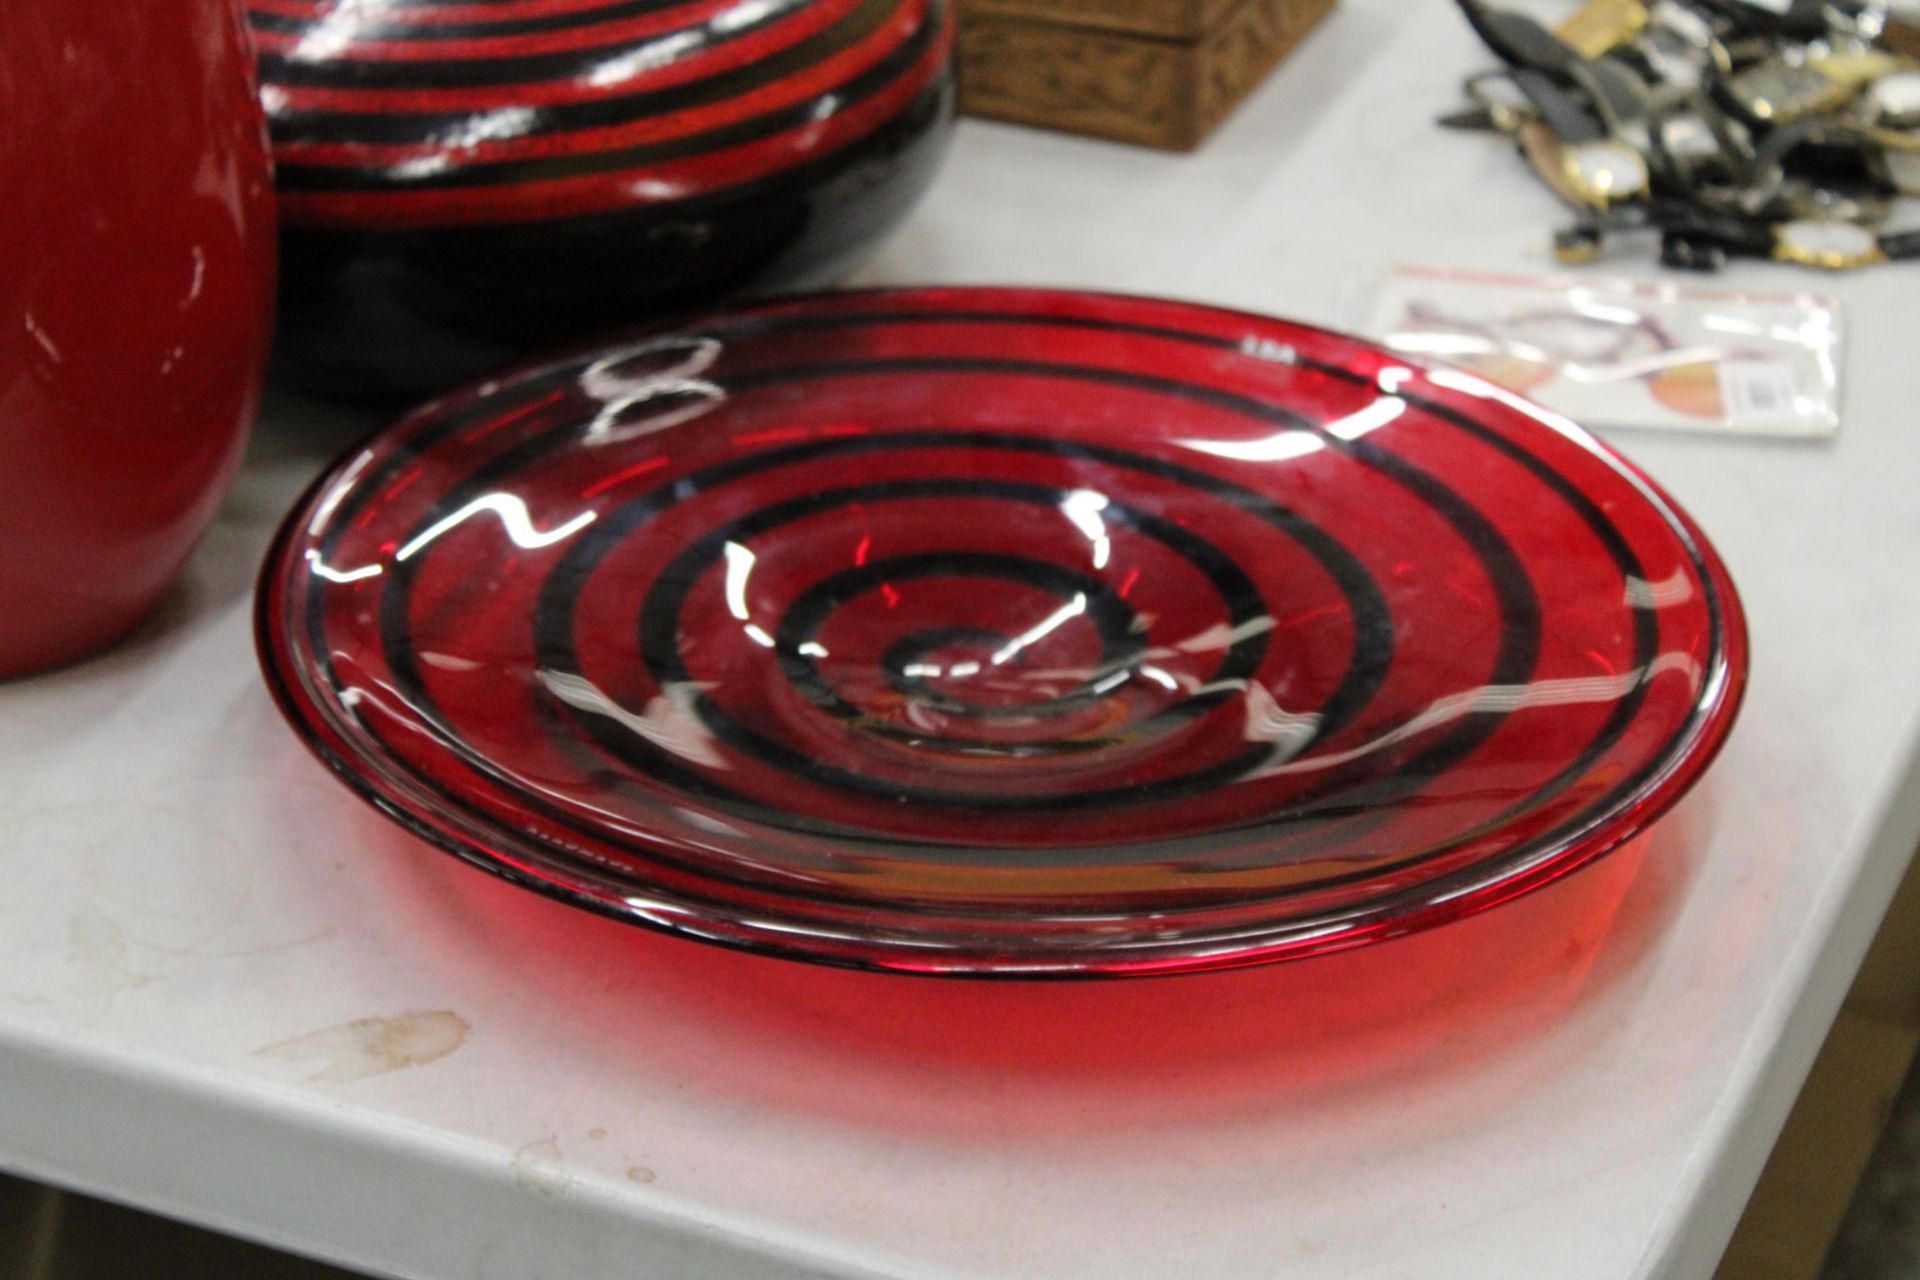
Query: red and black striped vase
x=465, y=181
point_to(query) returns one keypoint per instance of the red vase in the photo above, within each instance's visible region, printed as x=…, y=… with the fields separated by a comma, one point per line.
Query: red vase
x=135, y=297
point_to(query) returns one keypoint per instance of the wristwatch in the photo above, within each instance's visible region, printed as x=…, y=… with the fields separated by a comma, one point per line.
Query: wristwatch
x=1698, y=239
x=1898, y=163
x=1854, y=157
x=1893, y=100
x=1679, y=49
x=1600, y=26
x=1573, y=152
x=1800, y=19
x=1772, y=129
x=1519, y=40
x=1779, y=92
x=1699, y=150
x=1829, y=244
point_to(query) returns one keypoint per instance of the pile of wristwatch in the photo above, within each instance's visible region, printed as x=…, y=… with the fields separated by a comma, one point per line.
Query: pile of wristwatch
x=1783, y=129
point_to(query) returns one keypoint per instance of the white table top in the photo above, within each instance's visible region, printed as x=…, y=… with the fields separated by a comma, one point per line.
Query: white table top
x=230, y=992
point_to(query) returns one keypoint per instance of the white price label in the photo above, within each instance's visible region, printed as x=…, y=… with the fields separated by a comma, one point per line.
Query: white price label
x=1757, y=392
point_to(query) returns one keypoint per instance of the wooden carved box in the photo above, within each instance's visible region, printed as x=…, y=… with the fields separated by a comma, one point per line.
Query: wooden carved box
x=1158, y=72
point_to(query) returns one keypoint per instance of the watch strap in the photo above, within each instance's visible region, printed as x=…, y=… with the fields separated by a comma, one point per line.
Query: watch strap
x=1519, y=40
x=1803, y=19
x=1745, y=237
x=1570, y=122
x=1733, y=233
x=1470, y=120
x=1616, y=88
x=1901, y=246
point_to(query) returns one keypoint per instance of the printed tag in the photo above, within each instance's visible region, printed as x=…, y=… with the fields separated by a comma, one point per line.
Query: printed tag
x=1624, y=353
x=1757, y=392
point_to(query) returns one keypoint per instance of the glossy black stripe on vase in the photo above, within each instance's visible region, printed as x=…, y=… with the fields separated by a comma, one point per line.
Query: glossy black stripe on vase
x=594, y=68
x=403, y=176
x=345, y=125
x=369, y=30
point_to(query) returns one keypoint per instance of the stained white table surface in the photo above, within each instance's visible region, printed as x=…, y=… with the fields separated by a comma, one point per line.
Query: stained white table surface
x=231, y=993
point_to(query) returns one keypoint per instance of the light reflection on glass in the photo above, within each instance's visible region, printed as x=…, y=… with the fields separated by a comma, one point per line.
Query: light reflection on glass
x=331, y=574
x=669, y=721
x=512, y=513
x=643, y=58
x=1274, y=448
x=470, y=131
x=1393, y=377
x=1262, y=348
x=745, y=15
x=1217, y=636
x=337, y=492
x=1040, y=630
x=604, y=379
x=1674, y=589
x=1372, y=418
x=1083, y=508
x=1503, y=699
x=740, y=562
x=681, y=400
x=389, y=702
x=337, y=30
x=1269, y=722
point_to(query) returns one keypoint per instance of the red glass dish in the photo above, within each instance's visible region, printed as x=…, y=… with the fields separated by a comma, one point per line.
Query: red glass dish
x=1004, y=632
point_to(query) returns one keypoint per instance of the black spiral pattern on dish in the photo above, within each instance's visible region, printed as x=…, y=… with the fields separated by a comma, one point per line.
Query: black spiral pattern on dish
x=1339, y=803
x=1520, y=624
